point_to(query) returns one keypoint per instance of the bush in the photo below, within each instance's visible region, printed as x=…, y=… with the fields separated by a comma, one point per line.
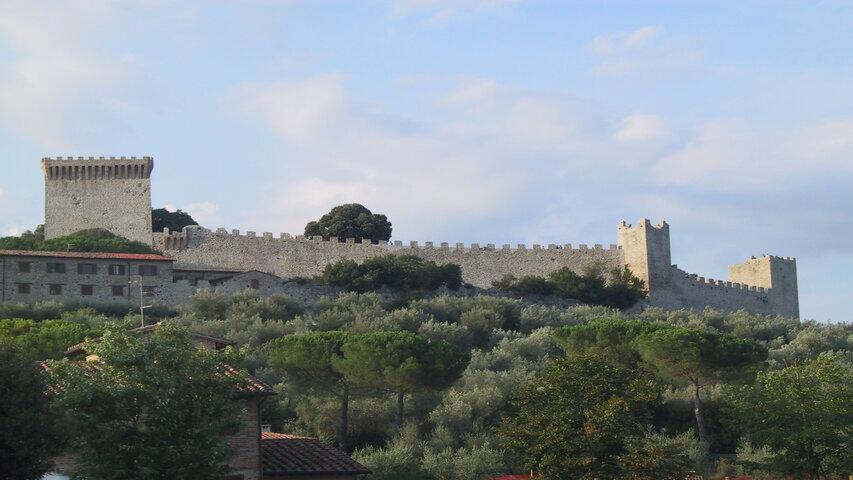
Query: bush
x=399, y=272
x=623, y=290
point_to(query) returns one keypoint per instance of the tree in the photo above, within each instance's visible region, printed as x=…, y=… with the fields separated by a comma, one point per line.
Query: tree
x=400, y=272
x=312, y=361
x=27, y=437
x=804, y=415
x=351, y=220
x=149, y=408
x=174, y=221
x=585, y=419
x=611, y=338
x=401, y=362
x=699, y=358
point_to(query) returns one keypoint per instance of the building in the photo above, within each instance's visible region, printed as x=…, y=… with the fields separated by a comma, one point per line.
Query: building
x=115, y=194
x=29, y=276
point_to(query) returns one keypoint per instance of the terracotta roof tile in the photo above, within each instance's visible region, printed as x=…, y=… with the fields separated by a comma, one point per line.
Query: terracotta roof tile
x=148, y=257
x=284, y=454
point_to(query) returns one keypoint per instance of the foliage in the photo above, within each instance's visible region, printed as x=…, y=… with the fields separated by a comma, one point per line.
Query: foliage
x=313, y=360
x=804, y=416
x=27, y=435
x=698, y=358
x=89, y=242
x=149, y=408
x=400, y=272
x=586, y=418
x=44, y=340
x=174, y=221
x=622, y=291
x=401, y=362
x=351, y=220
x=614, y=339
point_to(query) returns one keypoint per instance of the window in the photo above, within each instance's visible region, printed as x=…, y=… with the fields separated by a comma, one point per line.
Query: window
x=255, y=283
x=148, y=291
x=23, y=267
x=24, y=288
x=87, y=290
x=117, y=269
x=118, y=290
x=54, y=289
x=147, y=270
x=87, y=268
x=55, y=268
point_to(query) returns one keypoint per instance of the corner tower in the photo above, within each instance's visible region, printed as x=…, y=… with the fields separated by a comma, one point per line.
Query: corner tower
x=779, y=274
x=110, y=193
x=647, y=252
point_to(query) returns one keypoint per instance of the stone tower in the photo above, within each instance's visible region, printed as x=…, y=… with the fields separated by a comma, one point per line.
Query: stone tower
x=647, y=252
x=113, y=193
x=779, y=274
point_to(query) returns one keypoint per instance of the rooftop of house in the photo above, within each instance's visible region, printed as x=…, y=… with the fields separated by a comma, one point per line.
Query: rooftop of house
x=147, y=257
x=285, y=454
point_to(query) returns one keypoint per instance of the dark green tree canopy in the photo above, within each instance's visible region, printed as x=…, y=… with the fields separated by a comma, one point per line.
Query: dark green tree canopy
x=400, y=272
x=351, y=220
x=174, y=221
x=804, y=414
x=27, y=439
x=149, y=408
x=89, y=240
x=585, y=419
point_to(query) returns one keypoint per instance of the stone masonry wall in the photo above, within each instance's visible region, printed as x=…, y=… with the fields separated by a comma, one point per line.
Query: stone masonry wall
x=288, y=256
x=114, y=194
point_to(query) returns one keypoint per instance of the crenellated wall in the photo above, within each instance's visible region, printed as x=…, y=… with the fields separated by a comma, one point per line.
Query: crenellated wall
x=289, y=256
x=115, y=194
x=110, y=193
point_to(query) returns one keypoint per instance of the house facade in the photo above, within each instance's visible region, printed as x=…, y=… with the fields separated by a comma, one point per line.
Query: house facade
x=90, y=277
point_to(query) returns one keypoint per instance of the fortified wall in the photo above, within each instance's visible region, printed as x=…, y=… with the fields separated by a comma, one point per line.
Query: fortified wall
x=115, y=194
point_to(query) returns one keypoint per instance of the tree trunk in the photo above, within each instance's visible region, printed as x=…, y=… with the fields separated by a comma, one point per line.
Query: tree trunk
x=398, y=420
x=344, y=420
x=700, y=415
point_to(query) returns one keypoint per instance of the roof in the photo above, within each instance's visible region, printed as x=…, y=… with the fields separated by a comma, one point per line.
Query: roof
x=252, y=387
x=148, y=257
x=218, y=342
x=183, y=267
x=284, y=454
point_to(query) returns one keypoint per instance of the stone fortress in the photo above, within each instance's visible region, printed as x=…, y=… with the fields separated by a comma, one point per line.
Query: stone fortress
x=115, y=194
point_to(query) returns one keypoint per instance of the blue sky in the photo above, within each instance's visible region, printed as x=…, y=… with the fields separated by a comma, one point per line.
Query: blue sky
x=462, y=120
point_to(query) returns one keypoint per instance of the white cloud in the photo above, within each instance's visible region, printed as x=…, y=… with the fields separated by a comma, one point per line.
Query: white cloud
x=297, y=111
x=621, y=42
x=203, y=212
x=2, y=193
x=641, y=127
x=14, y=231
x=52, y=67
x=645, y=52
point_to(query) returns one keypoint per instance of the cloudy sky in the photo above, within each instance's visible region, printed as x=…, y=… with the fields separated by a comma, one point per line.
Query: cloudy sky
x=491, y=121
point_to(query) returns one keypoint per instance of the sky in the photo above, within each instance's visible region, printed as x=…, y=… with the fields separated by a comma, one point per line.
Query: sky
x=489, y=121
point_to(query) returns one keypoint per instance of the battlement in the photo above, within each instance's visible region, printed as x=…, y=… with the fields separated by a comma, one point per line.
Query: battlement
x=643, y=223
x=736, y=287
x=101, y=168
x=181, y=239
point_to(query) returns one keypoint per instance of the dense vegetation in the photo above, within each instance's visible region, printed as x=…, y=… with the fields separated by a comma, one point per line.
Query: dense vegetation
x=89, y=240
x=351, y=220
x=174, y=221
x=591, y=287
x=398, y=272
x=469, y=423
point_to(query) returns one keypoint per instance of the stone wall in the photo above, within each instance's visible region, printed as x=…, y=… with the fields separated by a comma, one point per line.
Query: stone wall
x=289, y=256
x=46, y=281
x=114, y=194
